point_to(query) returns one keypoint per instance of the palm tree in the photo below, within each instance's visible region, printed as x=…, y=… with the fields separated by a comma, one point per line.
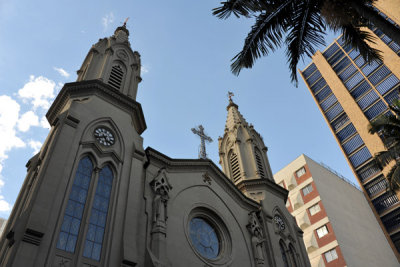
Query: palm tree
x=388, y=127
x=301, y=26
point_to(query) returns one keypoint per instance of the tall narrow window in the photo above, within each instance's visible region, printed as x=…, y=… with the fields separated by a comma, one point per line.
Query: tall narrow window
x=260, y=165
x=235, y=167
x=292, y=253
x=116, y=76
x=98, y=215
x=283, y=253
x=75, y=206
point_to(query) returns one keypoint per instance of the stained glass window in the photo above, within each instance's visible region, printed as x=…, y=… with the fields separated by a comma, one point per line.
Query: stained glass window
x=204, y=238
x=98, y=215
x=75, y=206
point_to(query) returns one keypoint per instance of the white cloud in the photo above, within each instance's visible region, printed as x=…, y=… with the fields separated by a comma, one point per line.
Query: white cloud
x=35, y=145
x=145, y=69
x=4, y=205
x=44, y=123
x=62, y=72
x=107, y=20
x=39, y=91
x=27, y=120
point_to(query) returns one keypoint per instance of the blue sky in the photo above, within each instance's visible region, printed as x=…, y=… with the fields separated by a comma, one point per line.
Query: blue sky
x=185, y=55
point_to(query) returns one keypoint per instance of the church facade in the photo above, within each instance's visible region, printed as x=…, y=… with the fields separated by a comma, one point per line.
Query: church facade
x=93, y=196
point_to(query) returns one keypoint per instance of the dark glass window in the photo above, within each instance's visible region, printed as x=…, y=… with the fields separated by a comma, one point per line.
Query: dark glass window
x=318, y=85
x=347, y=72
x=307, y=72
x=354, y=53
x=367, y=99
x=368, y=171
x=369, y=68
x=379, y=75
x=353, y=81
x=204, y=238
x=336, y=57
x=354, y=143
x=98, y=215
x=75, y=206
x=330, y=51
x=360, y=89
x=323, y=93
x=360, y=157
x=334, y=111
x=327, y=103
x=392, y=96
x=314, y=77
x=346, y=132
x=342, y=64
x=360, y=61
x=375, y=110
x=283, y=254
x=339, y=122
x=387, y=84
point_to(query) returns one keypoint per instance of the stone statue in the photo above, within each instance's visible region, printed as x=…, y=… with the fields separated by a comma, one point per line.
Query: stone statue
x=161, y=188
x=257, y=239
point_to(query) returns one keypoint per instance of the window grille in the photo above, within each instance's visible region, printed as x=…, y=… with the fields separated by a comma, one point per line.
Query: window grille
x=367, y=99
x=330, y=51
x=347, y=73
x=327, y=103
x=346, y=132
x=323, y=93
x=260, y=165
x=392, y=220
x=360, y=89
x=353, y=81
x=385, y=201
x=378, y=185
x=340, y=121
x=390, y=97
x=334, y=111
x=360, y=157
x=387, y=84
x=375, y=110
x=336, y=57
x=379, y=75
x=116, y=77
x=368, y=171
x=307, y=72
x=314, y=77
x=235, y=167
x=353, y=144
x=318, y=85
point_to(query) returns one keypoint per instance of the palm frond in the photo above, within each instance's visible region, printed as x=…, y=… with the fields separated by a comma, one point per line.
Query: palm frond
x=238, y=8
x=265, y=35
x=383, y=158
x=306, y=31
x=393, y=177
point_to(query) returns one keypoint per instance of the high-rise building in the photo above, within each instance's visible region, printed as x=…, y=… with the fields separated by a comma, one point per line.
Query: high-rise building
x=94, y=196
x=335, y=232
x=350, y=93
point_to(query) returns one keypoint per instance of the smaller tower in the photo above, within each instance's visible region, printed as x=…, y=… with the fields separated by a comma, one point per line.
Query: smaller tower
x=112, y=61
x=243, y=153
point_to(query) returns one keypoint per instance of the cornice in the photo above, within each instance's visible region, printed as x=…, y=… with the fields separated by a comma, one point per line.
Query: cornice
x=209, y=167
x=97, y=87
x=266, y=183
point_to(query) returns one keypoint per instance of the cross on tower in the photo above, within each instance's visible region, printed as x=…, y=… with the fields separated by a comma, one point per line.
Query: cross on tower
x=230, y=94
x=203, y=137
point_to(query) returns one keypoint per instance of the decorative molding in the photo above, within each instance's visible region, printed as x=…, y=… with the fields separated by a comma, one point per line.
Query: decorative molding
x=266, y=184
x=122, y=55
x=204, y=165
x=33, y=237
x=206, y=178
x=97, y=87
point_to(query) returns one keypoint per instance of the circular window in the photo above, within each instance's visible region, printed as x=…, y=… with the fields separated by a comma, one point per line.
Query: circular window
x=104, y=136
x=204, y=238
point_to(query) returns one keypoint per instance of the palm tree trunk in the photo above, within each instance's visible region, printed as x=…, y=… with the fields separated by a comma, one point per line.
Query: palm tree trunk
x=381, y=23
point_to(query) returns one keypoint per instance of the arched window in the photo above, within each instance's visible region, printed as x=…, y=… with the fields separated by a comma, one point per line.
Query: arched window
x=260, y=165
x=76, y=204
x=283, y=253
x=235, y=169
x=116, y=77
x=98, y=215
x=292, y=253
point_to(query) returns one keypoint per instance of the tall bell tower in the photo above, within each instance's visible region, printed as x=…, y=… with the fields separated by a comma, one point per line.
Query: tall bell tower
x=71, y=210
x=243, y=154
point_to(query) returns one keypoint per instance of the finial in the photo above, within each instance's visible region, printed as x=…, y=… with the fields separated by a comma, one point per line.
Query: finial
x=230, y=94
x=126, y=20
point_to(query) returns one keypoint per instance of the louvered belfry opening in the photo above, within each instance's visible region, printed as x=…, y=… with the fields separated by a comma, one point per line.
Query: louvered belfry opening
x=235, y=167
x=116, y=76
x=260, y=166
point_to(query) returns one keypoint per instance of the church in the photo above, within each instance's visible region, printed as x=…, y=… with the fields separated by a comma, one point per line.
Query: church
x=94, y=196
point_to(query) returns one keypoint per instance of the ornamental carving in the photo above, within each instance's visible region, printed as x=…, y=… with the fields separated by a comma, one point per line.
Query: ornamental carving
x=122, y=55
x=161, y=188
x=257, y=238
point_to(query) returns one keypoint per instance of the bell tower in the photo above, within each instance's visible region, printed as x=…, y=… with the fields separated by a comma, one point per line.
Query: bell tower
x=112, y=61
x=243, y=153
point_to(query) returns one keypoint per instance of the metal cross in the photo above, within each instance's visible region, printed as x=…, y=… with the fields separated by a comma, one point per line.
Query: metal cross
x=126, y=20
x=230, y=94
x=203, y=137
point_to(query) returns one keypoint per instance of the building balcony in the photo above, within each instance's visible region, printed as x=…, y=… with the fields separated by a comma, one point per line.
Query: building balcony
x=297, y=201
x=291, y=182
x=391, y=221
x=385, y=201
x=310, y=242
x=303, y=221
